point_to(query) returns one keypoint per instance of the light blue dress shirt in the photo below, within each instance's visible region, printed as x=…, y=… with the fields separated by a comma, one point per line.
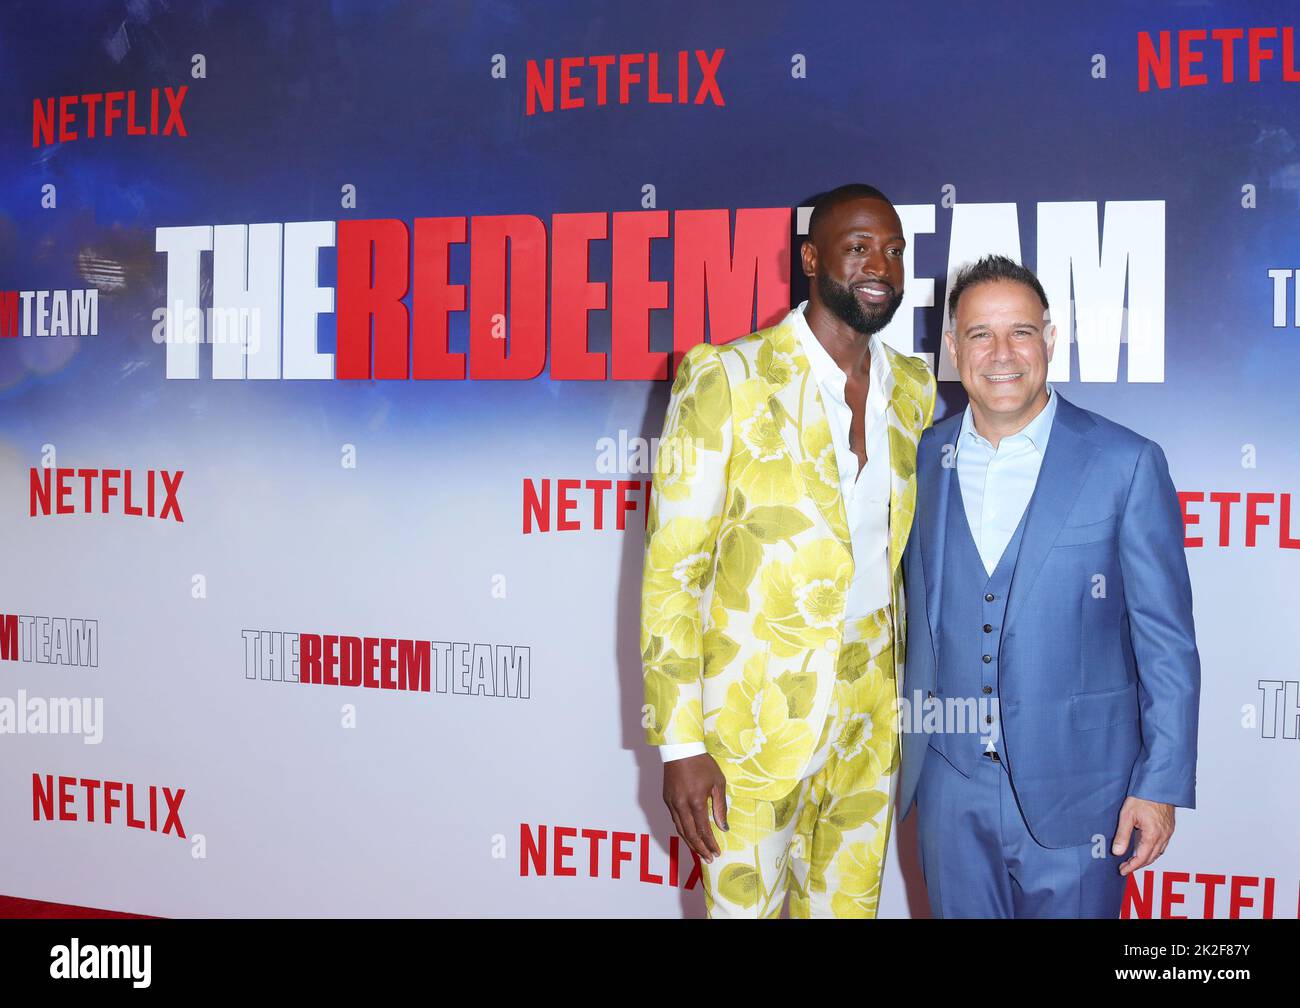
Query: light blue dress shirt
x=996, y=483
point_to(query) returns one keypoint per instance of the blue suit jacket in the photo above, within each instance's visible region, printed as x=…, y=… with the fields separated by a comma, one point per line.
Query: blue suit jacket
x=1098, y=689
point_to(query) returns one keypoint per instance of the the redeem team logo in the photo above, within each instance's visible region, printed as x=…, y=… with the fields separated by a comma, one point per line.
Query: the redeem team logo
x=530, y=293
x=49, y=640
x=49, y=313
x=1278, y=715
x=73, y=117
x=388, y=663
x=515, y=269
x=105, y=491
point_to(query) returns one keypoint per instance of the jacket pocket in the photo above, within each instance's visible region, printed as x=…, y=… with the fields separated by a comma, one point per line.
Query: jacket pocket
x=1078, y=535
x=1099, y=710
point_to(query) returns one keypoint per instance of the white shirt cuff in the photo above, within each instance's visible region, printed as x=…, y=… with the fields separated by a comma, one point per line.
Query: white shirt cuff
x=681, y=750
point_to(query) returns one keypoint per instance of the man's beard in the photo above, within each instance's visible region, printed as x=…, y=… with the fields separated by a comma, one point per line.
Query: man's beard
x=845, y=304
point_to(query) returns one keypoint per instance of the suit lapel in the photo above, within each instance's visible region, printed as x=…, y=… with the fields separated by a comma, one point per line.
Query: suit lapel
x=904, y=417
x=796, y=407
x=1070, y=456
x=933, y=534
x=797, y=410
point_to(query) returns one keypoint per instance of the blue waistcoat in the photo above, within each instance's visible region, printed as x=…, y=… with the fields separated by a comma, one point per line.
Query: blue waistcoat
x=971, y=612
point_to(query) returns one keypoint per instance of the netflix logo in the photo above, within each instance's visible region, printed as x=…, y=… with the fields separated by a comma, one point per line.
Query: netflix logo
x=1221, y=55
x=74, y=117
x=1228, y=518
x=687, y=78
x=575, y=505
x=105, y=491
x=1175, y=895
x=567, y=852
x=87, y=799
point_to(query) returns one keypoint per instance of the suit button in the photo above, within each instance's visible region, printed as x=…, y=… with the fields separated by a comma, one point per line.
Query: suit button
x=988, y=598
x=988, y=718
x=988, y=627
x=988, y=689
x=929, y=694
x=988, y=658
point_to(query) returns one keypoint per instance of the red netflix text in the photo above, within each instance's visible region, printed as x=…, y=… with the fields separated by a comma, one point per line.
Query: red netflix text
x=105, y=491
x=1175, y=895
x=86, y=799
x=1231, y=518
x=641, y=77
x=72, y=117
x=571, y=505
x=566, y=851
x=1220, y=55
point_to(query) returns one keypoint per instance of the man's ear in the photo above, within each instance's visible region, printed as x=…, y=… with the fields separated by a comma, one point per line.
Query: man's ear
x=1049, y=337
x=951, y=340
x=808, y=258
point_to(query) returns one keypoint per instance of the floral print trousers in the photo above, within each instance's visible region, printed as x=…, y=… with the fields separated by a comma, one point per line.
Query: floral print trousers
x=824, y=843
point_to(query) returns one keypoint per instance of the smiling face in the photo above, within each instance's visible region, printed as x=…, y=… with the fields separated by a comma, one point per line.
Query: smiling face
x=855, y=260
x=1001, y=344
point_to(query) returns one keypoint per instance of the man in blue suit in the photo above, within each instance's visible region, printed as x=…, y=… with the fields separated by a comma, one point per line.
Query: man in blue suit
x=1052, y=672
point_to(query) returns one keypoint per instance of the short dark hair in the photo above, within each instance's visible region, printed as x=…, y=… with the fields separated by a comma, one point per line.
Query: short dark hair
x=827, y=201
x=992, y=267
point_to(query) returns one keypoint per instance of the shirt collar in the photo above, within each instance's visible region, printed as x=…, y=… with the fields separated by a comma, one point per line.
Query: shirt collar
x=825, y=371
x=1036, y=432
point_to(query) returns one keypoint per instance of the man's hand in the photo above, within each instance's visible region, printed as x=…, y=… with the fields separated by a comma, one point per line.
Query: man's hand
x=1154, y=820
x=688, y=785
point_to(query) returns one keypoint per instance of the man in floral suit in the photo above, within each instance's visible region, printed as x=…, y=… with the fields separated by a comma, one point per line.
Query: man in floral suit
x=773, y=620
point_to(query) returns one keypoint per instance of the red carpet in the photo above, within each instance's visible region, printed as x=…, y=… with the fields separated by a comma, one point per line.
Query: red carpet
x=12, y=906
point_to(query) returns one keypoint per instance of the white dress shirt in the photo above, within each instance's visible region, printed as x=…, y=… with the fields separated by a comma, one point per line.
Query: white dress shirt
x=865, y=493
x=997, y=483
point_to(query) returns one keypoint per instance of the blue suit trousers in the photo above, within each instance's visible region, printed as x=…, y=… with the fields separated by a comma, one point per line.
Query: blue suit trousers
x=980, y=860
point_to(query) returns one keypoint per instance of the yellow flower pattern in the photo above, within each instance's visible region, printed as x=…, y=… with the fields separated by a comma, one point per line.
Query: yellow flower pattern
x=822, y=844
x=803, y=603
x=747, y=564
x=756, y=735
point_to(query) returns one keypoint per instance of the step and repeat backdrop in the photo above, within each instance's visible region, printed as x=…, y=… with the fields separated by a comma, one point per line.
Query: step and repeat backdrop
x=336, y=339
